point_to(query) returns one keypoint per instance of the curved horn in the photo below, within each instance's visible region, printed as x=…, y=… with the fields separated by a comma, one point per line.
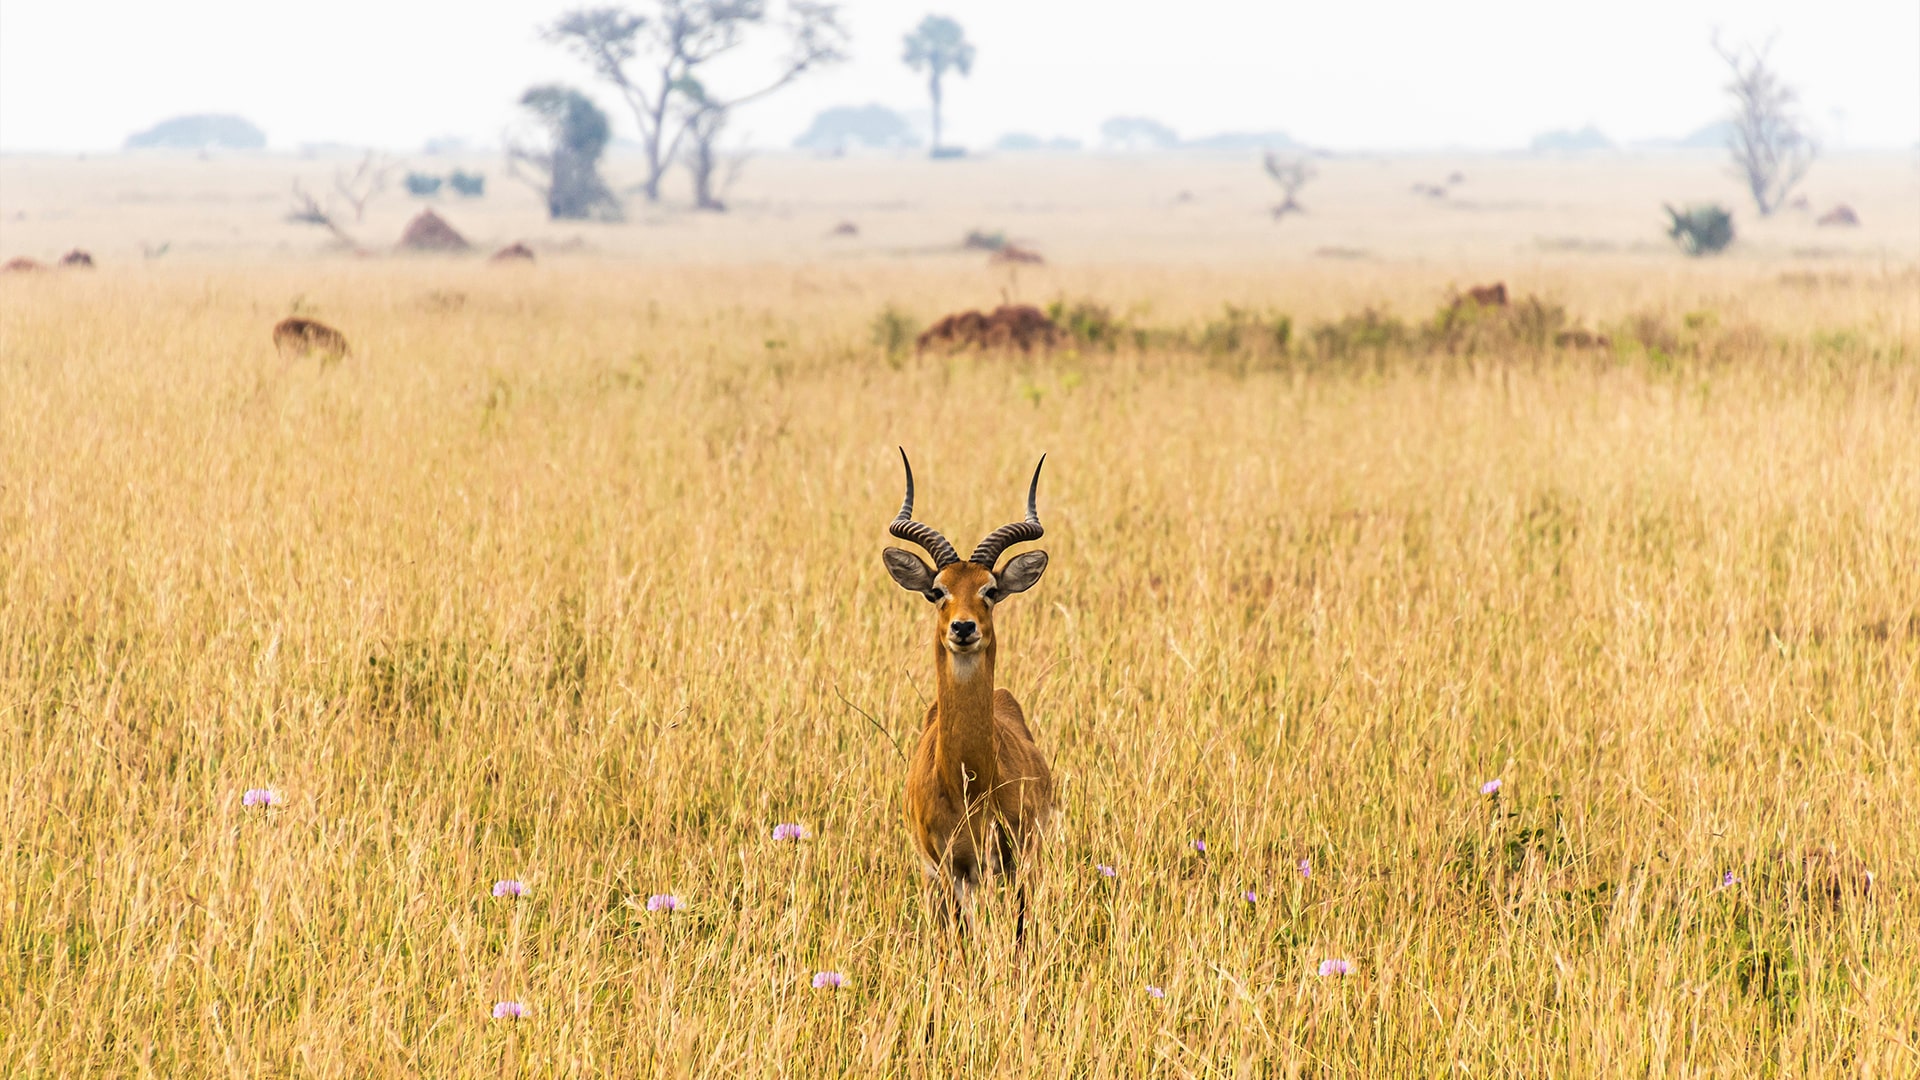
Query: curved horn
x=1019, y=532
x=918, y=532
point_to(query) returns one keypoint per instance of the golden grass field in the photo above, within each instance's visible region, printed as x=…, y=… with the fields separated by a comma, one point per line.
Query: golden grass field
x=570, y=574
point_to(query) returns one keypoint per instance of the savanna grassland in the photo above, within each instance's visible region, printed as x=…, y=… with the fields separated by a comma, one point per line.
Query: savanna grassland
x=570, y=575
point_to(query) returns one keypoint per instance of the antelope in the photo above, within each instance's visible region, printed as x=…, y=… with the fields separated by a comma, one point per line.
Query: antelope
x=301, y=337
x=978, y=789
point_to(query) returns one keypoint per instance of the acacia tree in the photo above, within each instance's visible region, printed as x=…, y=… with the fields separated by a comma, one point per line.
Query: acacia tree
x=1291, y=174
x=569, y=169
x=1771, y=152
x=936, y=46
x=654, y=58
x=706, y=119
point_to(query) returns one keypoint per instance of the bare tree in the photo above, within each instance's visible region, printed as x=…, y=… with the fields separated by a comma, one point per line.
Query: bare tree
x=1291, y=174
x=1771, y=153
x=360, y=186
x=651, y=58
x=567, y=172
x=308, y=211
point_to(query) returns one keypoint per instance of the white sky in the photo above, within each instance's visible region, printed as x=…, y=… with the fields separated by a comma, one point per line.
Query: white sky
x=1482, y=74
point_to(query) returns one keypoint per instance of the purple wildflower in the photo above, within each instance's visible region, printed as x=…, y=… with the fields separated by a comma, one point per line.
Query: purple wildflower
x=261, y=797
x=1107, y=871
x=663, y=902
x=509, y=887
x=510, y=1010
x=1491, y=787
x=1334, y=967
x=1200, y=846
x=1306, y=868
x=1155, y=992
x=828, y=980
x=1729, y=879
x=1250, y=896
x=788, y=830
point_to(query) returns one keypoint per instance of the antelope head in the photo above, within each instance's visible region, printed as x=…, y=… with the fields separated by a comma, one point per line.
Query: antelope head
x=964, y=593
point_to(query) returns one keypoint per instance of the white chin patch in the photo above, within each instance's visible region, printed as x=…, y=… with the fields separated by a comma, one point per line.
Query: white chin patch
x=965, y=664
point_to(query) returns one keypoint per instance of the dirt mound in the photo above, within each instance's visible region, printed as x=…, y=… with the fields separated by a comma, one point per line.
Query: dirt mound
x=22, y=265
x=1494, y=295
x=1009, y=326
x=514, y=252
x=302, y=337
x=1842, y=215
x=77, y=259
x=1014, y=253
x=430, y=232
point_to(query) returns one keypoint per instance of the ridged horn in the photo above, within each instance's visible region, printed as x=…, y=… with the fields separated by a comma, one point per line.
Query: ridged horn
x=919, y=532
x=1019, y=532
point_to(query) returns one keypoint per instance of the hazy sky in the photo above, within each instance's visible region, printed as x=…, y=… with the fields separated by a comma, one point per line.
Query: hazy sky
x=82, y=74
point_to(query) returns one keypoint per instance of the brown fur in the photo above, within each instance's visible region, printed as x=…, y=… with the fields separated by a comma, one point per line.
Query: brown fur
x=302, y=337
x=978, y=788
x=1010, y=326
x=514, y=252
x=77, y=260
x=20, y=264
x=1494, y=295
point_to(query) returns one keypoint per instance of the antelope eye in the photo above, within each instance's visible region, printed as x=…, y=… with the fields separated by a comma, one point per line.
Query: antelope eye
x=992, y=593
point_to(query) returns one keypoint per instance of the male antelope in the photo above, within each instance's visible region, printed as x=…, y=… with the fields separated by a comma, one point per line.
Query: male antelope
x=978, y=789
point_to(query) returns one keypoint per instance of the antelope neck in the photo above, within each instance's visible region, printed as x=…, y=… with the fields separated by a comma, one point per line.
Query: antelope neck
x=964, y=721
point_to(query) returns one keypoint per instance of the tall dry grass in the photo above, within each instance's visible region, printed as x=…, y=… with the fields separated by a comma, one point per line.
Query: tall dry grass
x=572, y=577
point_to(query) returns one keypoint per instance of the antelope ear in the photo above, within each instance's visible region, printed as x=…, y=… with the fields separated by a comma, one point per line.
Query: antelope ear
x=910, y=572
x=1021, y=573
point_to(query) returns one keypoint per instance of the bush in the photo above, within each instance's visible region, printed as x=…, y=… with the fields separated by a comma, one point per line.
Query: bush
x=1701, y=230
x=1090, y=323
x=894, y=331
x=1353, y=336
x=470, y=185
x=422, y=186
x=1241, y=331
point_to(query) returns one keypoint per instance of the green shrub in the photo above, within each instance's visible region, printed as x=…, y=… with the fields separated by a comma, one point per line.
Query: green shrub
x=894, y=331
x=1370, y=333
x=471, y=185
x=1241, y=330
x=1701, y=230
x=1091, y=324
x=420, y=185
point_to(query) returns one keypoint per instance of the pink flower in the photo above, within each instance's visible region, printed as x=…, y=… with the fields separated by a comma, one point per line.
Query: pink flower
x=1250, y=896
x=1334, y=967
x=786, y=831
x=1491, y=787
x=261, y=797
x=509, y=887
x=1107, y=871
x=663, y=902
x=828, y=980
x=1306, y=868
x=1156, y=993
x=510, y=1010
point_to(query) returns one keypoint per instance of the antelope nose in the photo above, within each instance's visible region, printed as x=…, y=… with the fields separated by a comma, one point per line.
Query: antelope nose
x=962, y=629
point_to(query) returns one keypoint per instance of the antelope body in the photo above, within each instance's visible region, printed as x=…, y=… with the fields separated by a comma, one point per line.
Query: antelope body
x=300, y=337
x=978, y=789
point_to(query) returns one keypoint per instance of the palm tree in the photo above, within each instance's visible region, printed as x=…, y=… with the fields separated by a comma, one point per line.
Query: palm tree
x=936, y=45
